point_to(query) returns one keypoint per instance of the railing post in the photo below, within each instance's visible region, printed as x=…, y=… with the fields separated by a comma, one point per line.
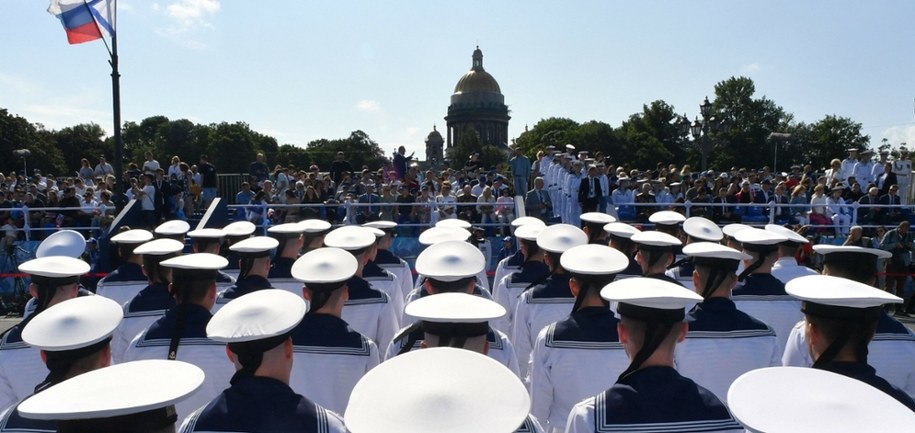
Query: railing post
x=772, y=212
x=686, y=205
x=25, y=222
x=854, y=213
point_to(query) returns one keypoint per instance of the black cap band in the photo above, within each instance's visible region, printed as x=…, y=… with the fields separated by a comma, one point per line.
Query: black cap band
x=250, y=354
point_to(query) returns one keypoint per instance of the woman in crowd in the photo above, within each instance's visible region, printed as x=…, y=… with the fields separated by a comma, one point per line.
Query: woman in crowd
x=818, y=207
x=798, y=214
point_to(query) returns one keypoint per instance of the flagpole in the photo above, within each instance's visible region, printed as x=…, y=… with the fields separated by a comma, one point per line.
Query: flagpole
x=118, y=142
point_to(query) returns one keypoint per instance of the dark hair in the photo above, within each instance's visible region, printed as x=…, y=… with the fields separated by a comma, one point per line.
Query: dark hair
x=450, y=286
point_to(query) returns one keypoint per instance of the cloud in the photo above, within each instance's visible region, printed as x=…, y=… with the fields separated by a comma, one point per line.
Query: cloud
x=750, y=68
x=368, y=106
x=900, y=134
x=412, y=131
x=187, y=16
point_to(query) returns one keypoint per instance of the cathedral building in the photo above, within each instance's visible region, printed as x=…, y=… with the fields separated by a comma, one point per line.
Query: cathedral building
x=477, y=105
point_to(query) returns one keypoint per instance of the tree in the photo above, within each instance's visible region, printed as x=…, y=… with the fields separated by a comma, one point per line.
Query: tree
x=752, y=120
x=85, y=140
x=650, y=137
x=359, y=149
x=828, y=138
x=595, y=136
x=555, y=131
x=17, y=133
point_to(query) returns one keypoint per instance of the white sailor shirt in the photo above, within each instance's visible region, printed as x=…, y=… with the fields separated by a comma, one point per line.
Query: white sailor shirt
x=370, y=312
x=510, y=287
x=500, y=348
x=139, y=313
x=763, y=297
x=538, y=307
x=21, y=369
x=123, y=283
x=507, y=266
x=386, y=282
x=787, y=269
x=399, y=267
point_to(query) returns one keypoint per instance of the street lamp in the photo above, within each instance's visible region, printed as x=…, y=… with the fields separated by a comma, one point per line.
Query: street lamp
x=701, y=130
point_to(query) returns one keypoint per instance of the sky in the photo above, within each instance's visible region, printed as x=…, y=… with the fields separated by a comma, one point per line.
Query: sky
x=304, y=70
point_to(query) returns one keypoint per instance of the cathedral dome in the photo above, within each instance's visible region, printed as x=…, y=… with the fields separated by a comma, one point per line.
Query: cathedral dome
x=477, y=80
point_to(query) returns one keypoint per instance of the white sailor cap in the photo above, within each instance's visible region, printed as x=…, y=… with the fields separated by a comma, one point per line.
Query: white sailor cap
x=655, y=239
x=450, y=391
x=793, y=236
x=621, y=230
x=73, y=324
x=135, y=236
x=159, y=247
x=753, y=237
x=350, y=238
x=133, y=396
x=325, y=265
x=702, y=229
x=381, y=224
x=287, y=230
x=454, y=222
x=838, y=252
x=714, y=251
x=208, y=233
x=172, y=228
x=560, y=237
x=529, y=232
x=377, y=232
x=314, y=225
x=731, y=229
x=819, y=400
x=830, y=291
x=197, y=266
x=239, y=228
x=450, y=261
x=434, y=235
x=62, y=243
x=597, y=218
x=258, y=246
x=455, y=308
x=257, y=315
x=570, y=147
x=593, y=259
x=666, y=218
x=55, y=267
x=650, y=294
x=518, y=222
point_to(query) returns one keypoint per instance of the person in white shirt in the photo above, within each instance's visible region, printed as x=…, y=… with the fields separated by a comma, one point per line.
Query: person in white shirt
x=863, y=169
x=847, y=167
x=150, y=165
x=838, y=212
x=786, y=267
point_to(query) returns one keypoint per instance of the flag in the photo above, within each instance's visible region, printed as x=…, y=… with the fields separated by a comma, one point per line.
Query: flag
x=84, y=20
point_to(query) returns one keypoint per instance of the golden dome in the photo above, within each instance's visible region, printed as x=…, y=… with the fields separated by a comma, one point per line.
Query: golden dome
x=477, y=80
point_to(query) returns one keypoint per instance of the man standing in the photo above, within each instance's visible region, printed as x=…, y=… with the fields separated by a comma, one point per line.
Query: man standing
x=848, y=166
x=864, y=169
x=589, y=191
x=258, y=169
x=338, y=167
x=902, y=167
x=209, y=180
x=150, y=165
x=401, y=161
x=537, y=203
x=521, y=170
x=899, y=242
x=103, y=168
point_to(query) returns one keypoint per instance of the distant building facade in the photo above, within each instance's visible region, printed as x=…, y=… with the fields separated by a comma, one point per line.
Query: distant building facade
x=477, y=105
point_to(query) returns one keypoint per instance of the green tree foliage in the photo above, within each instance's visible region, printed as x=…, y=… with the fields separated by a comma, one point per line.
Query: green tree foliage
x=828, y=138
x=555, y=131
x=83, y=141
x=17, y=133
x=650, y=137
x=753, y=119
x=358, y=149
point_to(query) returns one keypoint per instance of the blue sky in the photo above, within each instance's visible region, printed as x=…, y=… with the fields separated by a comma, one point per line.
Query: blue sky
x=302, y=70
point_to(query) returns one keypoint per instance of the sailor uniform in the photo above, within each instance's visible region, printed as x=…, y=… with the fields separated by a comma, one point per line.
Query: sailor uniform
x=538, y=307
x=329, y=358
x=507, y=266
x=682, y=274
x=890, y=352
x=370, y=312
x=422, y=291
x=722, y=343
x=574, y=358
x=500, y=348
x=123, y=283
x=387, y=282
x=195, y=348
x=21, y=369
x=399, y=267
x=261, y=404
x=867, y=374
x=139, y=313
x=763, y=296
x=13, y=422
x=510, y=287
x=787, y=269
x=249, y=284
x=281, y=267
x=654, y=399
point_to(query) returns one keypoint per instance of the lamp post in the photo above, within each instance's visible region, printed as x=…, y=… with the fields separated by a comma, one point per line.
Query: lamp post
x=701, y=130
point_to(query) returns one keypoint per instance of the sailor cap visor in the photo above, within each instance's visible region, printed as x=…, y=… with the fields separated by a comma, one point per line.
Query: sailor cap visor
x=621, y=230
x=666, y=217
x=529, y=232
x=597, y=218
x=135, y=236
x=255, y=245
x=325, y=265
x=159, y=247
x=377, y=232
x=702, y=228
x=435, y=235
x=55, y=267
x=518, y=222
x=73, y=324
x=172, y=227
x=593, y=259
x=197, y=261
x=792, y=235
x=257, y=316
x=711, y=250
x=239, y=228
x=454, y=308
x=656, y=239
x=450, y=391
x=819, y=400
x=121, y=389
x=62, y=243
x=350, y=238
x=561, y=237
x=827, y=250
x=453, y=222
x=450, y=261
x=838, y=292
x=650, y=293
x=206, y=234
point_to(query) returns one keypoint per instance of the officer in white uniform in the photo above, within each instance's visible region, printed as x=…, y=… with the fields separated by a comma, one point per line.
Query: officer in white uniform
x=330, y=356
x=592, y=223
x=442, y=390
x=389, y=261
x=864, y=168
x=650, y=395
x=762, y=295
x=656, y=252
x=253, y=256
x=902, y=167
x=848, y=166
x=117, y=399
x=581, y=355
x=893, y=346
x=532, y=272
x=572, y=185
x=818, y=401
x=722, y=342
x=54, y=280
x=153, y=301
x=620, y=235
x=256, y=328
x=841, y=316
x=210, y=241
x=450, y=267
x=123, y=283
x=172, y=229
x=623, y=196
x=181, y=333
x=786, y=267
x=368, y=310
x=696, y=229
x=236, y=232
x=513, y=263
x=74, y=338
x=381, y=279
x=549, y=301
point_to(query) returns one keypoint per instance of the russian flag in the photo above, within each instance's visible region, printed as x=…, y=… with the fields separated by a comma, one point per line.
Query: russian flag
x=84, y=19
